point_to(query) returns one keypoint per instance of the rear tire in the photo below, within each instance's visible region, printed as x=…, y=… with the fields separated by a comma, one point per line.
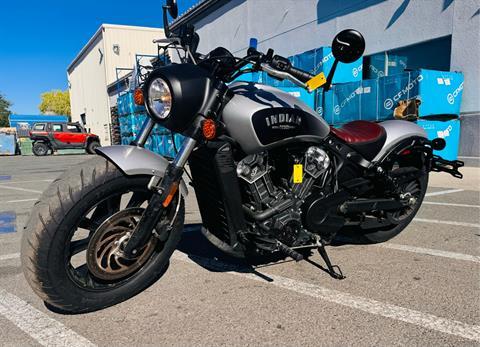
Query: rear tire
x=57, y=216
x=40, y=149
x=377, y=235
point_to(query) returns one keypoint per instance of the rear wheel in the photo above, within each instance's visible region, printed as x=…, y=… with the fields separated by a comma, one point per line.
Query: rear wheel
x=40, y=149
x=71, y=247
x=413, y=191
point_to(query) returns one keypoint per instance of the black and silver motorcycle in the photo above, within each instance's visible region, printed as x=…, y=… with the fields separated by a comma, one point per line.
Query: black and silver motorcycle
x=270, y=176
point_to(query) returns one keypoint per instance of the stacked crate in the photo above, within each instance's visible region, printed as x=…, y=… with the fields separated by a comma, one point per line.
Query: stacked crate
x=130, y=120
x=375, y=99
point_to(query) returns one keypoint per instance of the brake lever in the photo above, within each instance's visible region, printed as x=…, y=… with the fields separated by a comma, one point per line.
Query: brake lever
x=168, y=40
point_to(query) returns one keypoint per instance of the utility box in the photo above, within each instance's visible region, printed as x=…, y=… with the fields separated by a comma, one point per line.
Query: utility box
x=440, y=92
x=447, y=129
x=344, y=73
x=348, y=102
x=384, y=64
x=302, y=94
x=8, y=144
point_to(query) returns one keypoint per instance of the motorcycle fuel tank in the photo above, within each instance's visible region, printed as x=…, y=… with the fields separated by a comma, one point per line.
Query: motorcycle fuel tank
x=259, y=117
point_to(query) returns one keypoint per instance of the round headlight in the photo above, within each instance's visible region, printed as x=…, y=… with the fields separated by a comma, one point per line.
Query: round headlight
x=159, y=98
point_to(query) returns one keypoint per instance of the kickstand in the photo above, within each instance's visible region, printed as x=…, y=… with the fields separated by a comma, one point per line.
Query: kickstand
x=333, y=270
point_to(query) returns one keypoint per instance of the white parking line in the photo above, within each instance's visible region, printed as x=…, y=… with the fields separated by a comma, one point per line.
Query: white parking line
x=447, y=222
x=32, y=181
x=20, y=189
x=9, y=256
x=45, y=330
x=442, y=192
x=428, y=251
x=14, y=201
x=449, y=204
x=425, y=320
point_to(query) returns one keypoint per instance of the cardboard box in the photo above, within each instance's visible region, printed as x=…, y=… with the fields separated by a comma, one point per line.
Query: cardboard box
x=445, y=129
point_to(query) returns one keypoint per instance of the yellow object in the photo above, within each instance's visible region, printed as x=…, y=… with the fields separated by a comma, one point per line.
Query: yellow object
x=316, y=82
x=297, y=173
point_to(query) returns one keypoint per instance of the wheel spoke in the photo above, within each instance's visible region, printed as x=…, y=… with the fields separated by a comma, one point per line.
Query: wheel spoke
x=78, y=246
x=89, y=224
x=137, y=199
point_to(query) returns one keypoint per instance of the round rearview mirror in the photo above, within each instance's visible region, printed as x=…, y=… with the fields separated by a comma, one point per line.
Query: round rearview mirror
x=348, y=46
x=172, y=8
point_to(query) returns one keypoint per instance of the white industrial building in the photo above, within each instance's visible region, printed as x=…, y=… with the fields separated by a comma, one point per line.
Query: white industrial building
x=98, y=65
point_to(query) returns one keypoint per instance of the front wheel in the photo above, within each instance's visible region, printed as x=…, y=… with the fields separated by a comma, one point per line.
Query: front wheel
x=70, y=247
x=92, y=146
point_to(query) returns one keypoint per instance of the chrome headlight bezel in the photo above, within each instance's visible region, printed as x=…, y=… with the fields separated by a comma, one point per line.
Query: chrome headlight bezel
x=159, y=98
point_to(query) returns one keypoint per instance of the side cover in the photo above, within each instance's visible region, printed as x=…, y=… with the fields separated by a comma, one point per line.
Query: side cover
x=132, y=160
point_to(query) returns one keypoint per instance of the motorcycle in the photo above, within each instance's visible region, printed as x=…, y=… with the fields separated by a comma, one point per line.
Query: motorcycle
x=270, y=177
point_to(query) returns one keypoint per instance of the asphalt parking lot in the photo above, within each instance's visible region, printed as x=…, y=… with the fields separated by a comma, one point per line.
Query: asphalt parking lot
x=421, y=288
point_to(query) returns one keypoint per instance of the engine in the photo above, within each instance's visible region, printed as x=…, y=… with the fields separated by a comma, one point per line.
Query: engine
x=273, y=200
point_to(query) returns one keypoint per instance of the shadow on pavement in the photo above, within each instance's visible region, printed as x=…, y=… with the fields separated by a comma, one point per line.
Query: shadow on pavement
x=198, y=249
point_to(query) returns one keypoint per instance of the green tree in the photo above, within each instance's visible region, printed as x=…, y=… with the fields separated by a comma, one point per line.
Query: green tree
x=4, y=111
x=55, y=102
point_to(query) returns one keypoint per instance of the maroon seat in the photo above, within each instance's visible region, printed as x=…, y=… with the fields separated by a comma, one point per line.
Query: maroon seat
x=367, y=138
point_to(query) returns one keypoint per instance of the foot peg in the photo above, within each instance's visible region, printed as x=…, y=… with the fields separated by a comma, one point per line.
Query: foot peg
x=290, y=252
x=333, y=270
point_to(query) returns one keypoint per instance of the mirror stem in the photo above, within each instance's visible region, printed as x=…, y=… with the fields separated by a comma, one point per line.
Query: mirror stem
x=166, y=27
x=330, y=76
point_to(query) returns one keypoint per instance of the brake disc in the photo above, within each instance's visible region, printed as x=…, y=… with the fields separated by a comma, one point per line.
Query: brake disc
x=105, y=258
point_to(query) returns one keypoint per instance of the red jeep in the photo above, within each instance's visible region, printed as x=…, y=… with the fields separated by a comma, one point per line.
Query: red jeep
x=51, y=136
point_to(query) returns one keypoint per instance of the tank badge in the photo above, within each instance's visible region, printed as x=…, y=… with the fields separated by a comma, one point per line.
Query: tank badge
x=284, y=121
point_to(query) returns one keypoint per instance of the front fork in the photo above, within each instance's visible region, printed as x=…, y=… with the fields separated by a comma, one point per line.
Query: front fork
x=165, y=189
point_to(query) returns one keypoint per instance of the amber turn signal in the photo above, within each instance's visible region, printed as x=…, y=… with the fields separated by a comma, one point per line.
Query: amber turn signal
x=209, y=129
x=138, y=97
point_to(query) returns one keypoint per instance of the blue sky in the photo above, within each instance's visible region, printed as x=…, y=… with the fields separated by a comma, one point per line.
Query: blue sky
x=39, y=39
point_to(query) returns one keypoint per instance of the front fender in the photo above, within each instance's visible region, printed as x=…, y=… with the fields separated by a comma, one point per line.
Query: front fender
x=133, y=160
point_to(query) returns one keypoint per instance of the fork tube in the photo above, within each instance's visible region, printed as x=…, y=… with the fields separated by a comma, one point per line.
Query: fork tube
x=144, y=133
x=187, y=147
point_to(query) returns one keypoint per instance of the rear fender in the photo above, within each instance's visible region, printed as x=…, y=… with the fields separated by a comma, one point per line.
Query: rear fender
x=133, y=160
x=398, y=131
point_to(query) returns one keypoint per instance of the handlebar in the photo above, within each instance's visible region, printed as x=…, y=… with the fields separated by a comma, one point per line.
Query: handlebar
x=299, y=74
x=280, y=67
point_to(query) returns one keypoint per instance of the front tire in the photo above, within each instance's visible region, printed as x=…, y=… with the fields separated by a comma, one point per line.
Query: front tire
x=80, y=201
x=92, y=146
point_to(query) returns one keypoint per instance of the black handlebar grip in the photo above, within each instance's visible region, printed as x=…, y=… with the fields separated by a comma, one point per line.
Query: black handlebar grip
x=302, y=76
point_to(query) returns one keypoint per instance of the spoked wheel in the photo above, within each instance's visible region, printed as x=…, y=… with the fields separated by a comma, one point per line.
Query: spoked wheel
x=411, y=192
x=72, y=246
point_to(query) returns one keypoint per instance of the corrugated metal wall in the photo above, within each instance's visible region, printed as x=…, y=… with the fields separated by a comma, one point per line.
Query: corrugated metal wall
x=95, y=70
x=88, y=93
x=131, y=41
